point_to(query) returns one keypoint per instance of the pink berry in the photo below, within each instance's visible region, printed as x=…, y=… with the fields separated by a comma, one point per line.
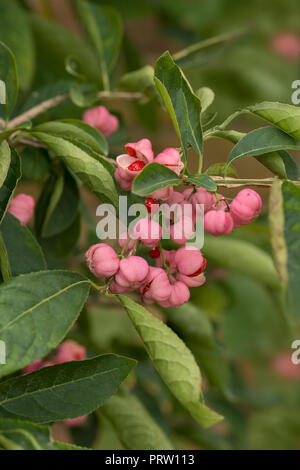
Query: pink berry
x=180, y=294
x=123, y=239
x=170, y=158
x=22, y=207
x=102, y=260
x=148, y=231
x=163, y=194
x=287, y=45
x=283, y=367
x=245, y=207
x=33, y=367
x=191, y=281
x=75, y=422
x=218, y=222
x=189, y=260
x=101, y=119
x=182, y=231
x=142, y=150
x=133, y=272
x=68, y=351
x=157, y=287
x=203, y=197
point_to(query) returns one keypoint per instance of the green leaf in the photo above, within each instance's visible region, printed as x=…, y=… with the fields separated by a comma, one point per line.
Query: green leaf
x=252, y=325
x=284, y=116
x=203, y=52
x=91, y=171
x=280, y=163
x=24, y=435
x=142, y=81
x=203, y=181
x=35, y=163
x=291, y=168
x=173, y=361
x=104, y=27
x=76, y=129
x=65, y=391
x=4, y=161
x=15, y=31
x=241, y=257
x=182, y=104
x=60, y=42
x=291, y=204
x=220, y=169
x=135, y=427
x=60, y=246
x=154, y=176
x=24, y=254
x=206, y=96
x=84, y=94
x=9, y=75
x=276, y=225
x=10, y=182
x=66, y=446
x=261, y=141
x=36, y=312
x=58, y=204
x=197, y=332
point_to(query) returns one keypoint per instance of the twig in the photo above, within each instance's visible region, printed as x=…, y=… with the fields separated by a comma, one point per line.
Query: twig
x=57, y=100
x=237, y=183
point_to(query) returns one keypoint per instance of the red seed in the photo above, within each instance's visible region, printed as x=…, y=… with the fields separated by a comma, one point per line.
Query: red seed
x=149, y=203
x=200, y=270
x=136, y=166
x=154, y=253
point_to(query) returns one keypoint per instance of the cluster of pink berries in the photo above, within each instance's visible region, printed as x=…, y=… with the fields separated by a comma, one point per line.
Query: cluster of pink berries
x=67, y=351
x=176, y=271
x=167, y=283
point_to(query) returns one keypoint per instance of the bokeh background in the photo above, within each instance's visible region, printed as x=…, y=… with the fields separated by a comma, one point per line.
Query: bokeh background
x=242, y=341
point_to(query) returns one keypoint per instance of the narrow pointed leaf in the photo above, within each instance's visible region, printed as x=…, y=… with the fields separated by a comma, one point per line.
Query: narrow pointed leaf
x=203, y=181
x=173, y=361
x=241, y=257
x=24, y=254
x=154, y=176
x=276, y=224
x=182, y=104
x=284, y=116
x=10, y=182
x=65, y=391
x=26, y=435
x=134, y=425
x=4, y=161
x=76, y=129
x=36, y=312
x=261, y=141
x=93, y=172
x=291, y=204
